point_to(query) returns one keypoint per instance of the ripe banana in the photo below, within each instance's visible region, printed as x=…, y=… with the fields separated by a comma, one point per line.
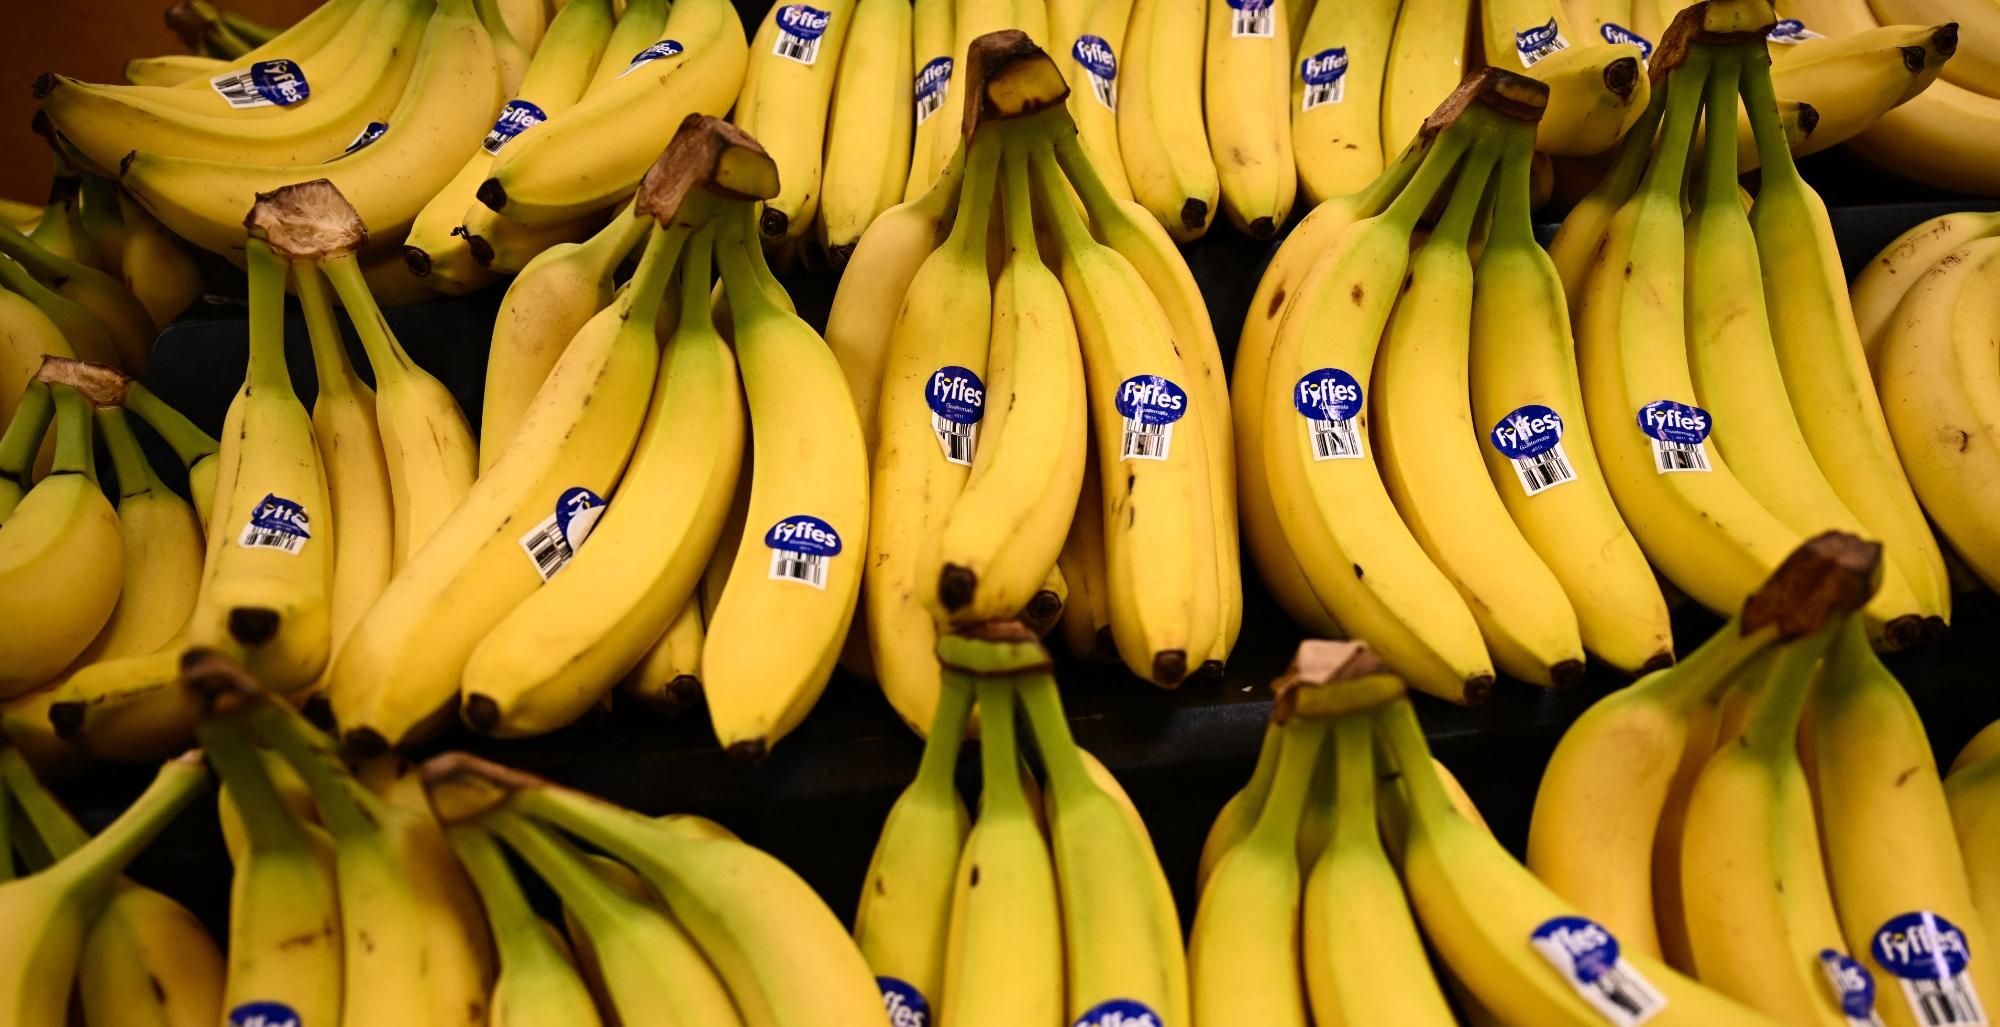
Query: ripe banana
x=1595, y=94
x=1976, y=69
x=1161, y=133
x=1343, y=60
x=1085, y=37
x=158, y=269
x=786, y=93
x=668, y=677
x=808, y=508
x=1971, y=792
x=445, y=110
x=931, y=35
x=1426, y=61
x=1524, y=33
x=1086, y=613
x=536, y=983
x=1881, y=286
x=869, y=125
x=1428, y=447
x=25, y=433
x=1851, y=91
x=198, y=453
x=61, y=559
x=172, y=69
x=638, y=27
x=162, y=546
x=131, y=328
x=1246, y=85
x=87, y=337
x=693, y=68
x=567, y=643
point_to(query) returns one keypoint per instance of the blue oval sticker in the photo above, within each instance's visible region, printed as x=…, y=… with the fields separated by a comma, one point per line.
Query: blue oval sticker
x=956, y=394
x=1614, y=34
x=1852, y=984
x=803, y=21
x=1679, y=423
x=1328, y=394
x=804, y=533
x=515, y=118
x=264, y=1014
x=1120, y=1012
x=905, y=1005
x=1591, y=949
x=1529, y=431
x=1151, y=399
x=1921, y=946
x=1324, y=67
x=1096, y=56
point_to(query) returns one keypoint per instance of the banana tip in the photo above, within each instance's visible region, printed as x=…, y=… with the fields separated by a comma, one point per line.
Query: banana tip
x=1194, y=214
x=481, y=713
x=956, y=585
x=1566, y=673
x=1169, y=667
x=750, y=751
x=685, y=691
x=773, y=223
x=45, y=83
x=417, y=260
x=492, y=194
x=253, y=625
x=362, y=743
x=66, y=718
x=838, y=256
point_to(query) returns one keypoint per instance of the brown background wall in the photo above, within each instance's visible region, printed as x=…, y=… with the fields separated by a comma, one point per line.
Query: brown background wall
x=91, y=39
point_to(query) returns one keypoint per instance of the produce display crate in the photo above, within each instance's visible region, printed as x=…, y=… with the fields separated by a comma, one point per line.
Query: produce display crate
x=819, y=800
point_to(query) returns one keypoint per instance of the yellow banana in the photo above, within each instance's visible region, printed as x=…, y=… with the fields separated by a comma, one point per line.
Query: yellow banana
x=931, y=55
x=668, y=677
x=1246, y=86
x=1595, y=94
x=1084, y=38
x=198, y=452
x=159, y=271
x=1426, y=60
x=1881, y=286
x=869, y=125
x=163, y=552
x=536, y=984
x=1161, y=134
x=1343, y=59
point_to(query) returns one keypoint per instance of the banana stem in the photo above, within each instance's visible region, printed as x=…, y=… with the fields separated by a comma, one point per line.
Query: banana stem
x=1760, y=100
x=1667, y=174
x=349, y=809
x=999, y=755
x=1017, y=199
x=975, y=201
x=41, y=262
x=941, y=199
x=1455, y=227
x=1513, y=225
x=23, y=438
x=1071, y=233
x=1057, y=126
x=1718, y=167
x=1396, y=726
x=1852, y=662
x=58, y=831
x=266, y=817
x=189, y=442
x=74, y=453
x=656, y=269
x=697, y=268
x=619, y=832
x=1037, y=693
x=267, y=368
x=741, y=284
x=1298, y=757
x=561, y=866
x=329, y=348
x=385, y=353
x=6, y=842
x=128, y=461
x=1773, y=725
x=617, y=239
x=1353, y=739
x=177, y=783
x=1634, y=153
x=1430, y=176
x=937, y=769
x=517, y=931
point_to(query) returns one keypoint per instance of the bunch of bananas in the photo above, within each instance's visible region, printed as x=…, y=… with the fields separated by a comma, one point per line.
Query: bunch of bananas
x=1925, y=309
x=214, y=32
x=1769, y=818
x=1946, y=137
x=420, y=113
x=1046, y=403
x=1051, y=906
x=81, y=937
x=1348, y=826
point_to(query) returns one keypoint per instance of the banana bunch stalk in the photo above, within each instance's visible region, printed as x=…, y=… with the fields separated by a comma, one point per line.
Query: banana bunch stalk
x=990, y=391
x=1055, y=881
x=678, y=917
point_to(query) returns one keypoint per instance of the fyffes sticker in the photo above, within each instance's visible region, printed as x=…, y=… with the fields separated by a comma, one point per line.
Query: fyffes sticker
x=264, y=1014
x=1791, y=32
x=931, y=82
x=799, y=30
x=1614, y=34
x=1330, y=401
x=957, y=399
x=1589, y=959
x=1853, y=987
x=1533, y=44
x=276, y=523
x=1531, y=437
x=662, y=49
x=374, y=131
x=1150, y=405
x=273, y=83
x=904, y=1003
x=801, y=547
x=1677, y=431
x=553, y=542
x=1325, y=77
x=515, y=118
x=1254, y=18
x=1928, y=956
x=1120, y=1012
x=1101, y=66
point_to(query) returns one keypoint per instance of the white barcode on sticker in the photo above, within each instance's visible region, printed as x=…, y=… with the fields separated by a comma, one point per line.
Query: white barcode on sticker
x=1336, y=440
x=807, y=567
x=957, y=439
x=1947, y=1003
x=1587, y=957
x=1929, y=958
x=1146, y=441
x=1544, y=470
x=545, y=545
x=257, y=538
x=553, y=542
x=930, y=87
x=275, y=83
x=1256, y=22
x=276, y=523
x=1672, y=457
x=1325, y=78
x=1535, y=44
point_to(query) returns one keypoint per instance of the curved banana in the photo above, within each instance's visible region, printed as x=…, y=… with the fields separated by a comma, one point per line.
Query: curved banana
x=1086, y=613
x=1246, y=78
x=159, y=271
x=1161, y=133
x=638, y=27
x=787, y=90
x=808, y=509
x=86, y=335
x=61, y=559
x=1524, y=33
x=536, y=984
x=163, y=552
x=1428, y=447
x=1426, y=61
x=932, y=31
x=867, y=157
x=1343, y=61
x=147, y=959
x=1595, y=94
x=1892, y=273
x=198, y=453
x=115, y=307
x=1085, y=37
x=592, y=154
x=172, y=69
x=1851, y=91
x=668, y=677
x=1977, y=68
x=445, y=110
x=1975, y=817
x=566, y=644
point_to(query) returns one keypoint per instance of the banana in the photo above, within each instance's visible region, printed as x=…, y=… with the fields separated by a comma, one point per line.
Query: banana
x=808, y=507
x=780, y=952
x=1908, y=875
x=25, y=433
x=407, y=950
x=1428, y=446
x=1737, y=377
x=61, y=559
x=931, y=36
x=566, y=644
x=1121, y=936
x=1694, y=518
x=1595, y=94
x=158, y=269
x=104, y=123
x=87, y=337
x=26, y=336
x=1125, y=227
x=292, y=790
x=123, y=317
x=445, y=110
x=1944, y=138
x=1246, y=86
x=50, y=911
x=270, y=557
x=1523, y=33
x=1161, y=134
x=1426, y=60
x=510, y=54
x=358, y=485
x=638, y=27
x=285, y=953
x=126, y=710
x=867, y=304
x=162, y=547
x=1837, y=409
x=1943, y=403
x=1238, y=814
x=1004, y=954
x=902, y=923
x=306, y=36
x=1476, y=905
x=693, y=68
x=198, y=453
x=1244, y=950
x=1982, y=745
x=867, y=160
x=1335, y=512
x=536, y=983
x=1087, y=36
x=786, y=94
x=1970, y=790
x=1852, y=91
x=1015, y=511
x=1576, y=241
x=427, y=446
x=487, y=555
x=97, y=205
x=60, y=229
x=668, y=677
x=1759, y=914
x=1522, y=358
x=1976, y=68
x=1129, y=363
x=1343, y=59
x=1881, y=286
x=644, y=966
x=288, y=80
x=930, y=408
x=172, y=69
x=1357, y=931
